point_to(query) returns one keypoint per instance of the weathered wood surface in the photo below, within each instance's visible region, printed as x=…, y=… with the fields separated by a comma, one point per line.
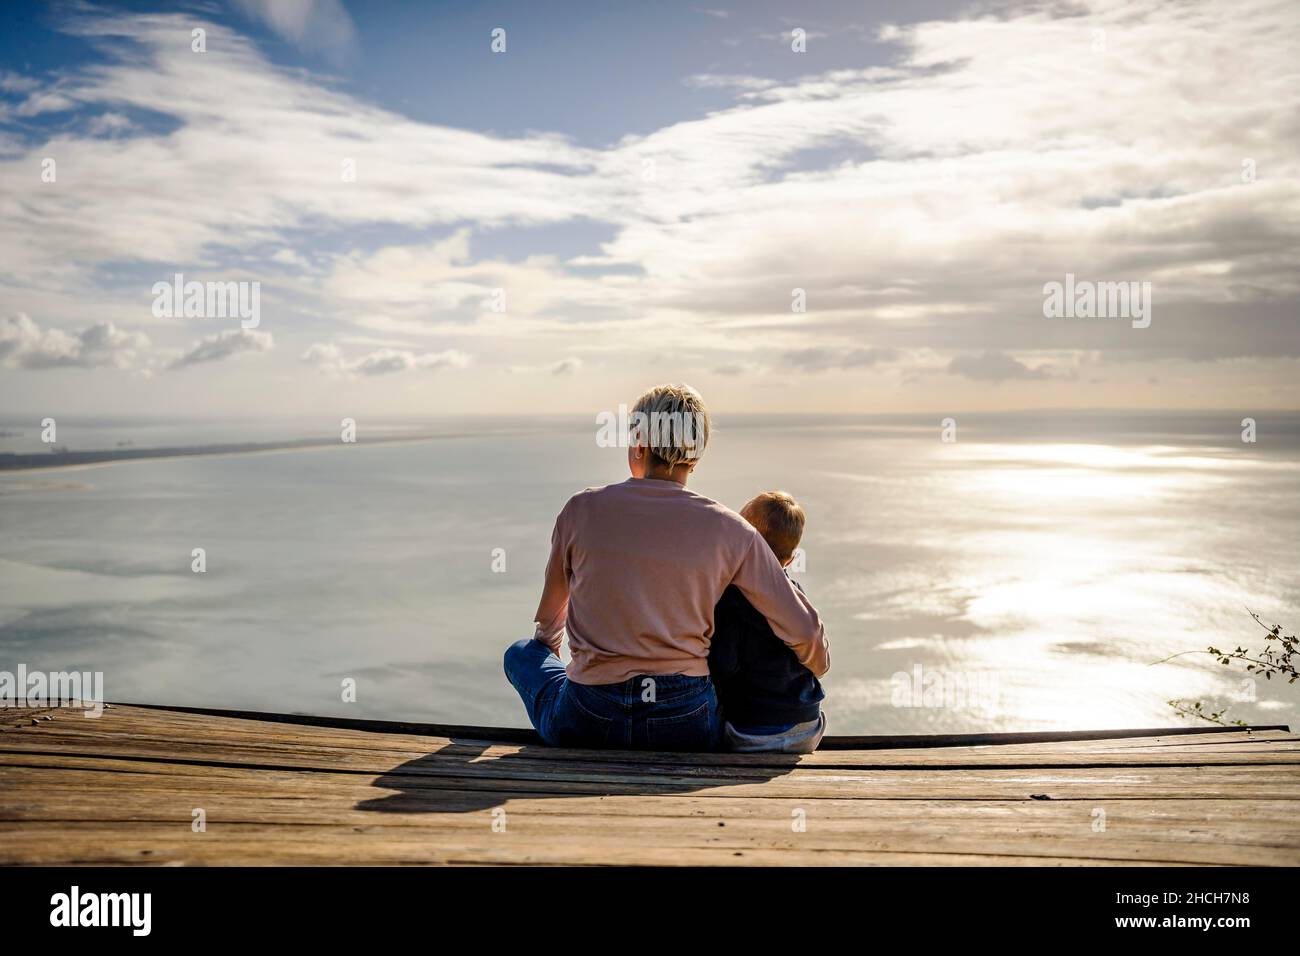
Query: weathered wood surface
x=123, y=789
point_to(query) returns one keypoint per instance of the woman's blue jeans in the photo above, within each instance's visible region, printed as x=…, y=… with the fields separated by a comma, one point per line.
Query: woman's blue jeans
x=647, y=712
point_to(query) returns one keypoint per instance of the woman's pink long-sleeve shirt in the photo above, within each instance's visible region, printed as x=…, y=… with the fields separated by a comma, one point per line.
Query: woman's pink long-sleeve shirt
x=635, y=571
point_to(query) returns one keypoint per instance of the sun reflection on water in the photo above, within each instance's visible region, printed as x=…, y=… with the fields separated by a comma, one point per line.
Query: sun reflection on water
x=1065, y=570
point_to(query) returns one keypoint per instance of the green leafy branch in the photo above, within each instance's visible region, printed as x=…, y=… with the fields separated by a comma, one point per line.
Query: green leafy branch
x=1278, y=658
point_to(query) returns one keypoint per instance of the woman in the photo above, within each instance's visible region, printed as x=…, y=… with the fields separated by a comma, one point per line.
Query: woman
x=635, y=571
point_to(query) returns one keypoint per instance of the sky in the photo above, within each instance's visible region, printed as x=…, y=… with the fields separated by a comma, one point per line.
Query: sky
x=811, y=207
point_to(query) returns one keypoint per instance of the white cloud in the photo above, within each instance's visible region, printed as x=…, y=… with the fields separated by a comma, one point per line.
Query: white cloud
x=288, y=257
x=323, y=355
x=329, y=357
x=820, y=359
x=11, y=82
x=258, y=151
x=23, y=344
x=994, y=367
x=972, y=169
x=107, y=124
x=728, y=81
x=45, y=102
x=221, y=345
x=314, y=26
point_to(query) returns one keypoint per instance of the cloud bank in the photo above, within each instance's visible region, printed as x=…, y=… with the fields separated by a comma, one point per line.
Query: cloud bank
x=919, y=206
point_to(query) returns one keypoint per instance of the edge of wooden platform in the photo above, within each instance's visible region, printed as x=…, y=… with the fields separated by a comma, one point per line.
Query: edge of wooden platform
x=517, y=735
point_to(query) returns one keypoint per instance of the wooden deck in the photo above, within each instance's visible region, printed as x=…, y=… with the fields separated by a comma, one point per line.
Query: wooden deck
x=123, y=789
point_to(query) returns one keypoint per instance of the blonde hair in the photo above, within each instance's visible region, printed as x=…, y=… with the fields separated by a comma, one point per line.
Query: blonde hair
x=779, y=519
x=672, y=422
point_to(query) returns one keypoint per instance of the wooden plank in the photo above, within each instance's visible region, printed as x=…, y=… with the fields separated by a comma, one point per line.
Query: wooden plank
x=43, y=793
x=1233, y=748
x=14, y=718
x=422, y=786
x=831, y=742
x=574, y=843
x=232, y=750
x=590, y=832
x=1229, y=747
x=349, y=803
x=332, y=849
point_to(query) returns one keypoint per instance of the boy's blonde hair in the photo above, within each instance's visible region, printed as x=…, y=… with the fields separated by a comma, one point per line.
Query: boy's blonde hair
x=779, y=519
x=672, y=422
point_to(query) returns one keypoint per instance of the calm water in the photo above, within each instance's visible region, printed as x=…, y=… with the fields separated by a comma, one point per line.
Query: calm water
x=1025, y=575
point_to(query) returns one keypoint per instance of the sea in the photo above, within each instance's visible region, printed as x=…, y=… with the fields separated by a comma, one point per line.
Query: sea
x=992, y=573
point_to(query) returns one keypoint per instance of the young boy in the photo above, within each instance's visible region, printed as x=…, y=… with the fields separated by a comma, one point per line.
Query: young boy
x=770, y=702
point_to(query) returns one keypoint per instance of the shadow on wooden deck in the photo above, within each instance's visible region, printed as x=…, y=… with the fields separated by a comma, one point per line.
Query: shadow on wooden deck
x=414, y=793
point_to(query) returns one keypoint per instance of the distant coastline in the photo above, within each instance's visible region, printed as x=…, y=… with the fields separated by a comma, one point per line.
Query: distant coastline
x=42, y=461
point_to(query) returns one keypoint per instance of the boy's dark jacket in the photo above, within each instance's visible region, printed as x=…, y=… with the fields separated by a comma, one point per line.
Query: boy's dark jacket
x=759, y=681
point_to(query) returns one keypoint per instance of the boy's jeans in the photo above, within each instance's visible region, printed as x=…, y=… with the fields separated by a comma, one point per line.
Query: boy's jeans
x=796, y=739
x=682, y=714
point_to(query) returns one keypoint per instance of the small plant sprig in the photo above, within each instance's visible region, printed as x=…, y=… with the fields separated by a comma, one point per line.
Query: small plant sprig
x=1272, y=661
x=1196, y=710
x=1277, y=659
